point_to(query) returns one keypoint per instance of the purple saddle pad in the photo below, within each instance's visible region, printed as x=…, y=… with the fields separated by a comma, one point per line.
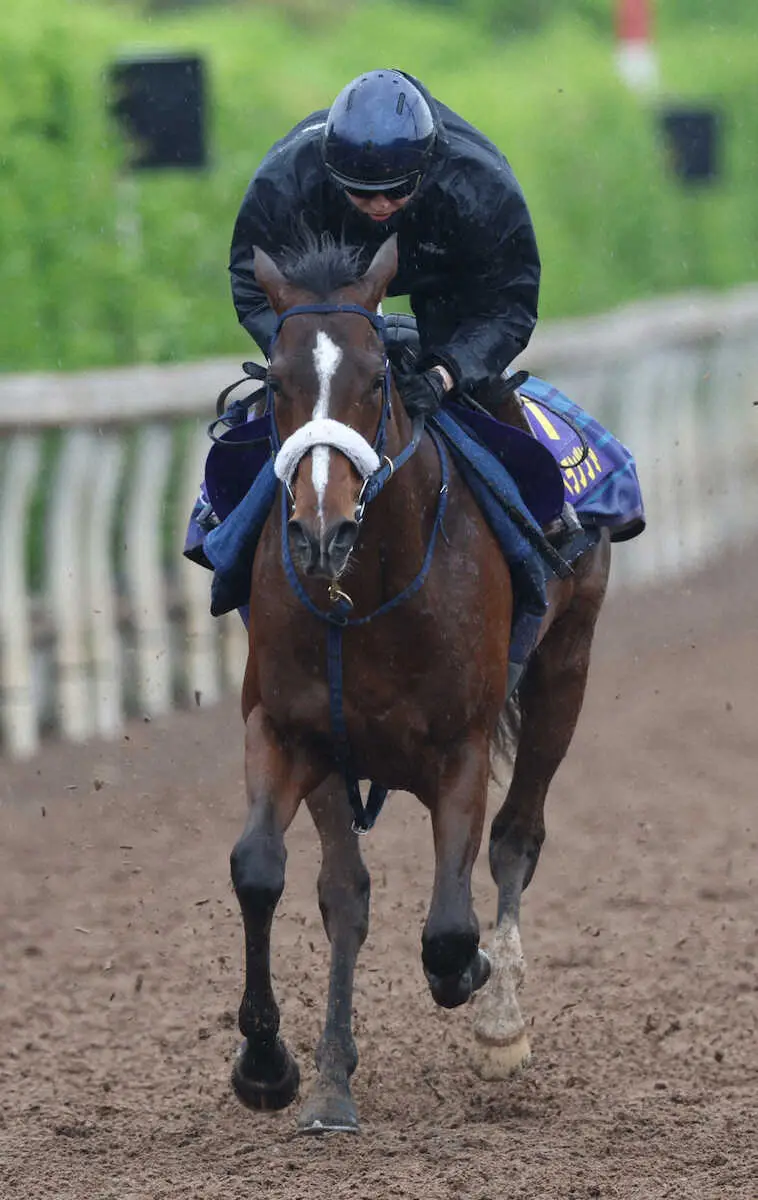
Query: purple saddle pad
x=232, y=464
x=532, y=467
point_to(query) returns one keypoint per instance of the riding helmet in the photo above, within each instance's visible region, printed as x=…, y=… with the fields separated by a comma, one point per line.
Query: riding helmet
x=379, y=133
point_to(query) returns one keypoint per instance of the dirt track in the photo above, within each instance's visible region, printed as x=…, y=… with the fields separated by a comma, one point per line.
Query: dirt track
x=122, y=959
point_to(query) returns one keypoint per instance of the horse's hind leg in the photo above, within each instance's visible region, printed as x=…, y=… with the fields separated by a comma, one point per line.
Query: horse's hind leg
x=551, y=697
x=265, y=1076
x=343, y=893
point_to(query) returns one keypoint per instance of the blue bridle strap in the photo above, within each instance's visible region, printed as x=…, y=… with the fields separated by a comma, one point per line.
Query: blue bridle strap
x=337, y=618
x=376, y=319
x=379, y=324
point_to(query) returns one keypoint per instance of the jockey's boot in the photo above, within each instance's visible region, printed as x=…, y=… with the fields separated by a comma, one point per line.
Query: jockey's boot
x=564, y=526
x=506, y=405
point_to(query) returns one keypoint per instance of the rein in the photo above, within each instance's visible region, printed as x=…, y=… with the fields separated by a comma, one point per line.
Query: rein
x=337, y=619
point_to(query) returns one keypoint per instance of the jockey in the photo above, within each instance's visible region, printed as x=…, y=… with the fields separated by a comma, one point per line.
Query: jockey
x=388, y=158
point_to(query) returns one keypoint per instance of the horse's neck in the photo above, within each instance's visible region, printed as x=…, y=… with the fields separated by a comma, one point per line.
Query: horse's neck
x=404, y=511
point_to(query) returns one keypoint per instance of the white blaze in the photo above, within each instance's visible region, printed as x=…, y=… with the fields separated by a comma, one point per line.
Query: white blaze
x=326, y=359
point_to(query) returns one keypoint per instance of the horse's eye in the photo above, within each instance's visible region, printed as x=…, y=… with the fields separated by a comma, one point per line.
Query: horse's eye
x=378, y=383
x=273, y=384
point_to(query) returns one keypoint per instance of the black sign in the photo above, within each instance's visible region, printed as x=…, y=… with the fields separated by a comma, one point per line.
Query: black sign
x=692, y=138
x=159, y=103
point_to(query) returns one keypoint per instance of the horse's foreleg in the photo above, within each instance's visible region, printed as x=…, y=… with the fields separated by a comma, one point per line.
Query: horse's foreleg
x=265, y=1075
x=343, y=893
x=453, y=964
x=551, y=697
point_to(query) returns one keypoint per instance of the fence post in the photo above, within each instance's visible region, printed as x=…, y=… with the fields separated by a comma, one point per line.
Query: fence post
x=145, y=576
x=18, y=714
x=101, y=592
x=67, y=518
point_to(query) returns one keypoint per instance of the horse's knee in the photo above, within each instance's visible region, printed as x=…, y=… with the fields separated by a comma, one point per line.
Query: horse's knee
x=257, y=870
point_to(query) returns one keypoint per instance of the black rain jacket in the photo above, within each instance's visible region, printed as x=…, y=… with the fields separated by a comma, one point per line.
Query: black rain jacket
x=467, y=252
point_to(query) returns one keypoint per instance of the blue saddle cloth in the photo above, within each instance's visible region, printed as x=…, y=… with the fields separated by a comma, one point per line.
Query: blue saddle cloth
x=598, y=472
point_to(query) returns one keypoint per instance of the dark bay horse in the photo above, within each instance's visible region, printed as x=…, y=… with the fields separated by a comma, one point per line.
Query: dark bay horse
x=421, y=687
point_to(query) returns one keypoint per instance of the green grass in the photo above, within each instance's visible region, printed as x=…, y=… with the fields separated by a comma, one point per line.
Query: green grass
x=612, y=223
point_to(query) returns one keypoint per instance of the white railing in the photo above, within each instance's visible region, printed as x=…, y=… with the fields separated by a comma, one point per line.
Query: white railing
x=100, y=616
x=98, y=474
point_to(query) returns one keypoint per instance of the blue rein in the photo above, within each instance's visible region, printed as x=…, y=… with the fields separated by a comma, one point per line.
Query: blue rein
x=337, y=618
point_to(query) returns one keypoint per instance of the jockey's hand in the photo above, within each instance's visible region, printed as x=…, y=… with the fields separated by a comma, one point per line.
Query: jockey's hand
x=422, y=394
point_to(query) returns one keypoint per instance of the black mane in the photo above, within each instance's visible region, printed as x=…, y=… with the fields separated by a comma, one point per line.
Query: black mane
x=322, y=265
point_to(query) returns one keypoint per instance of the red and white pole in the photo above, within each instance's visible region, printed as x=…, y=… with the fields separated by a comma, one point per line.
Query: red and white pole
x=635, y=57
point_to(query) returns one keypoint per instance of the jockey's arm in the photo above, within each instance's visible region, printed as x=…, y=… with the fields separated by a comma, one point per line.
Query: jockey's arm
x=255, y=226
x=487, y=316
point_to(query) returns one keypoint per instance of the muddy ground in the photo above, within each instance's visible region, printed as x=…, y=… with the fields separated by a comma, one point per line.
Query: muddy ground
x=121, y=966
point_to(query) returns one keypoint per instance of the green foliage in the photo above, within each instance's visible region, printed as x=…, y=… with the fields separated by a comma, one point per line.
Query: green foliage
x=505, y=18
x=96, y=268
x=705, y=15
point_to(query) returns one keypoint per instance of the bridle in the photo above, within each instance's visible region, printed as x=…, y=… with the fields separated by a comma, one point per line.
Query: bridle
x=377, y=468
x=369, y=459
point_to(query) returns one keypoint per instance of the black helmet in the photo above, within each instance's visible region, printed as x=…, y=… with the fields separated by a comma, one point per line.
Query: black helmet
x=379, y=133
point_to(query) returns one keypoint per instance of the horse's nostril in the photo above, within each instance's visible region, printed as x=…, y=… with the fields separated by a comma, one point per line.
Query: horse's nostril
x=301, y=541
x=325, y=557
x=342, y=537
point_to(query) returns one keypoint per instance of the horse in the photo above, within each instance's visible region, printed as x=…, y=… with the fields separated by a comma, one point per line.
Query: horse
x=417, y=701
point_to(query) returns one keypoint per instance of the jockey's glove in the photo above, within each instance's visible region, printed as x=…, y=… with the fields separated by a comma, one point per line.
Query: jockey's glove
x=421, y=394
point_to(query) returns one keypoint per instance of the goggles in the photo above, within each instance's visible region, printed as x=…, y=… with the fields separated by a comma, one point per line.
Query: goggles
x=399, y=191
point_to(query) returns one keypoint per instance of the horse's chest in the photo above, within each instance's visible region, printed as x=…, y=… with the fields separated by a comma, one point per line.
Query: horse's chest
x=383, y=679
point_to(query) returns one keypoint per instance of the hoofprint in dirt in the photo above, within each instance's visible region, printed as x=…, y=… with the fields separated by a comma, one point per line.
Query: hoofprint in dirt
x=122, y=959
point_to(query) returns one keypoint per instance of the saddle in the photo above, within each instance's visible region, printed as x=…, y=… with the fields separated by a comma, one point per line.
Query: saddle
x=596, y=482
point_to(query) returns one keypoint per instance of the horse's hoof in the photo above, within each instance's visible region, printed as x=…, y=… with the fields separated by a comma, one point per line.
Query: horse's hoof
x=266, y=1095
x=328, y=1111
x=500, y=1060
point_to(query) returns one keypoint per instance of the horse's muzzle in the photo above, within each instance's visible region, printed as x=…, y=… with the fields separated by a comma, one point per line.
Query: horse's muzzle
x=324, y=557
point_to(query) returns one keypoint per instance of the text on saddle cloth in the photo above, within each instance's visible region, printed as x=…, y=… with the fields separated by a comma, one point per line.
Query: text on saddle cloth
x=599, y=473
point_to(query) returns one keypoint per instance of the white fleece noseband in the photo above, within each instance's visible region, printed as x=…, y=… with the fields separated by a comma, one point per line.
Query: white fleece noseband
x=323, y=431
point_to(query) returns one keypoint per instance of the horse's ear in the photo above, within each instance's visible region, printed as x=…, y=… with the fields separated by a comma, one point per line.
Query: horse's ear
x=382, y=270
x=270, y=278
